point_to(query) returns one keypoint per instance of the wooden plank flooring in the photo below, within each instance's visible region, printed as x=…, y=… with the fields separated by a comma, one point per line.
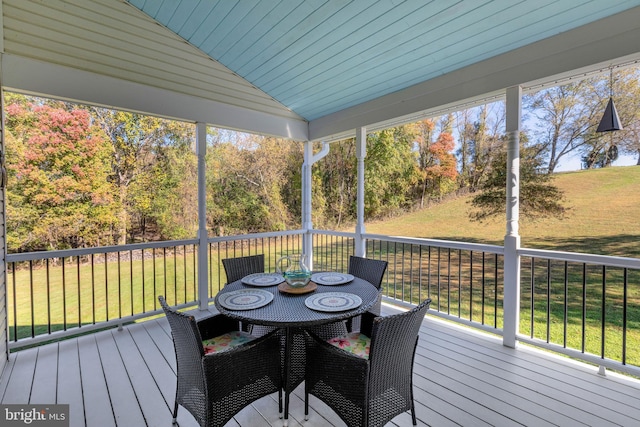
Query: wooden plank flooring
x=462, y=378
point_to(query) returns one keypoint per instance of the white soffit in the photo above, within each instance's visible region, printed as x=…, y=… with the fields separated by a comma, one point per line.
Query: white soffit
x=112, y=39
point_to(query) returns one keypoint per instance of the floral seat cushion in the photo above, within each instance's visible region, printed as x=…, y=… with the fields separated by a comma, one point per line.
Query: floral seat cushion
x=226, y=341
x=354, y=342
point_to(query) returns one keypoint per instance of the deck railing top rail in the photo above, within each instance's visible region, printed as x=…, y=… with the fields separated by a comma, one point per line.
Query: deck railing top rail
x=65, y=253
x=476, y=247
x=255, y=236
x=611, y=261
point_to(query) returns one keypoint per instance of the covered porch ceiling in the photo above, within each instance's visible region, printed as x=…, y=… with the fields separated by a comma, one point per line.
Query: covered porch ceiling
x=306, y=70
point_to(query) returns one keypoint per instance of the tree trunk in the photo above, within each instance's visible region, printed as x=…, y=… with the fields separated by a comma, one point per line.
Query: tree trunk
x=121, y=232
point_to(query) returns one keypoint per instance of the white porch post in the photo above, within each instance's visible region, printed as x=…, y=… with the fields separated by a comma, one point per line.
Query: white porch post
x=203, y=245
x=307, y=222
x=361, y=153
x=307, y=208
x=512, y=238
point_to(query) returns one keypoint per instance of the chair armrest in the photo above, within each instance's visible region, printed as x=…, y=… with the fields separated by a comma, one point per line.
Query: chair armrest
x=215, y=325
x=319, y=349
x=366, y=324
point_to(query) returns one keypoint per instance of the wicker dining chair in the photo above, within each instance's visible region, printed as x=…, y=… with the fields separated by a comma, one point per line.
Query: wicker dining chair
x=238, y=267
x=371, y=270
x=366, y=377
x=217, y=379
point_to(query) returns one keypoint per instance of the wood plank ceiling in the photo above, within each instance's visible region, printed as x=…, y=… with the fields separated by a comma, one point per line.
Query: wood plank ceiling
x=319, y=57
x=304, y=69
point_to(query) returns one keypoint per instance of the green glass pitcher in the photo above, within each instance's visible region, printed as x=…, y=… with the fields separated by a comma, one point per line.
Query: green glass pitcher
x=294, y=269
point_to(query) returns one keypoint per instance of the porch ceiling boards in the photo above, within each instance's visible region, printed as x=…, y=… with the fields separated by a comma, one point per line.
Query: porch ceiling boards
x=462, y=377
x=305, y=69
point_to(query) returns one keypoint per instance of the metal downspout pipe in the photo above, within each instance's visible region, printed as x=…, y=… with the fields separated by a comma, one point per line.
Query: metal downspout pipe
x=307, y=222
x=361, y=153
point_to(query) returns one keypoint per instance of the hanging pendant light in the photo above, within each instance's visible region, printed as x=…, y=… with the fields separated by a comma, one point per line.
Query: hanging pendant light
x=610, y=121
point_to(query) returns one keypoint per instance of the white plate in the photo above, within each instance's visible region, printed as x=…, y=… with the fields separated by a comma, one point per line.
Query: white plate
x=245, y=299
x=333, y=301
x=331, y=278
x=263, y=279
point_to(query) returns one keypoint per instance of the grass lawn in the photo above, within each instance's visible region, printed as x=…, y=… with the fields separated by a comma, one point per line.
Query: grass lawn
x=603, y=218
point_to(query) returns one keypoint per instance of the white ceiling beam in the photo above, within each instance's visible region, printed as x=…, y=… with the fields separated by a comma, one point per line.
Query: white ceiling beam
x=589, y=46
x=50, y=80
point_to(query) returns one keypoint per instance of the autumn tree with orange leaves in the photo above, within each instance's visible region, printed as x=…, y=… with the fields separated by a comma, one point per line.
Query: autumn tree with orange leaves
x=437, y=163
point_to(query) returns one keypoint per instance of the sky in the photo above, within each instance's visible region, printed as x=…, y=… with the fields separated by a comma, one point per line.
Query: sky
x=573, y=163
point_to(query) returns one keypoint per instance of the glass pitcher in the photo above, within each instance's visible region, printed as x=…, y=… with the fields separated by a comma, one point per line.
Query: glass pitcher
x=294, y=269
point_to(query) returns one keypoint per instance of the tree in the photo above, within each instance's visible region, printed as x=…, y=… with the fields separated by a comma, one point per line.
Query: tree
x=58, y=164
x=391, y=170
x=563, y=116
x=436, y=160
x=539, y=198
x=249, y=182
x=480, y=143
x=602, y=149
x=138, y=141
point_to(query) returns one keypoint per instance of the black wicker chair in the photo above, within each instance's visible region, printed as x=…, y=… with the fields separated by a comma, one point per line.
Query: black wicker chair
x=237, y=268
x=214, y=387
x=371, y=270
x=367, y=391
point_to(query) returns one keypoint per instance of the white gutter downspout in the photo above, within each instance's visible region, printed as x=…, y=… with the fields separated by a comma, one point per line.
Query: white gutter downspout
x=307, y=222
x=361, y=153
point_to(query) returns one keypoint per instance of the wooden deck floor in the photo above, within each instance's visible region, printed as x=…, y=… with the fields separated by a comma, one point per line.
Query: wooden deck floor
x=127, y=378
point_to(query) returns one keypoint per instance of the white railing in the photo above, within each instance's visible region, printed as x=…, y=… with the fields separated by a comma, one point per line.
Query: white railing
x=59, y=293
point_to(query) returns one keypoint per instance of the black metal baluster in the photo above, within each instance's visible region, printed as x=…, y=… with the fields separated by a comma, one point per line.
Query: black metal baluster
x=48, y=297
x=93, y=289
x=548, y=299
x=533, y=287
x=604, y=310
x=79, y=291
x=144, y=282
x=624, y=316
x=483, y=288
x=64, y=296
x=584, y=305
x=566, y=303
x=15, y=303
x=33, y=320
x=119, y=286
x=470, y=286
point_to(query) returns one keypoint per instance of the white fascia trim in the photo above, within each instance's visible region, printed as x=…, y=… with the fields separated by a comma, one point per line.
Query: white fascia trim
x=591, y=46
x=51, y=80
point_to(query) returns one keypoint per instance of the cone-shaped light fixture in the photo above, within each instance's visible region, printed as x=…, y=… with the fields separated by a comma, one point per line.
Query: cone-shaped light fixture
x=610, y=121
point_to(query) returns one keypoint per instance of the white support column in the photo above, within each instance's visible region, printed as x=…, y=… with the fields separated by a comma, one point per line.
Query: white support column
x=361, y=153
x=203, y=244
x=512, y=238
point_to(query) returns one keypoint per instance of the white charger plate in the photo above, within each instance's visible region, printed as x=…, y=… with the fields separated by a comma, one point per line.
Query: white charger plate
x=331, y=278
x=263, y=279
x=245, y=299
x=333, y=301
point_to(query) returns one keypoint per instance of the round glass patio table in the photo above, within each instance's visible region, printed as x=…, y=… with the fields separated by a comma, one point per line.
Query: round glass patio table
x=289, y=312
